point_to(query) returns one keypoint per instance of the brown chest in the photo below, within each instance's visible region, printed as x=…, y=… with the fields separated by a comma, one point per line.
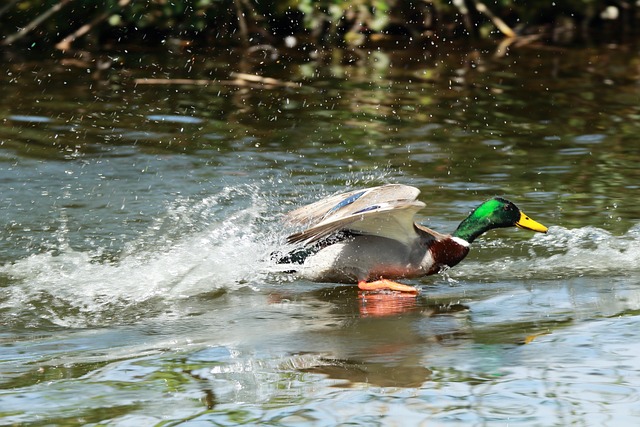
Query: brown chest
x=446, y=253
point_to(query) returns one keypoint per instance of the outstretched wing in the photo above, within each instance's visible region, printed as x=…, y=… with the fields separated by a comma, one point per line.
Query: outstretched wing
x=386, y=211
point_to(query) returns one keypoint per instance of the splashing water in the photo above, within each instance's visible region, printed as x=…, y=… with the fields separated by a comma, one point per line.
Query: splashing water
x=563, y=253
x=196, y=248
x=222, y=244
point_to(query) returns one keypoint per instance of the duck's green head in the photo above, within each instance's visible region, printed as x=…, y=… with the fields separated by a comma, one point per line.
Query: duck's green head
x=495, y=213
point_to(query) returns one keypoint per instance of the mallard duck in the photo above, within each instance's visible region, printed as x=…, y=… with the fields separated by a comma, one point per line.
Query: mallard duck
x=369, y=237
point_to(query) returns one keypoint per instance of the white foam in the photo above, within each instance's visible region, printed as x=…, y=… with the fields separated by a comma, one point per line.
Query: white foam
x=223, y=242
x=565, y=253
x=197, y=247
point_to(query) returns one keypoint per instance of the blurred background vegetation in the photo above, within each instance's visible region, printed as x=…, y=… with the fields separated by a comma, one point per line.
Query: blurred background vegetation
x=93, y=24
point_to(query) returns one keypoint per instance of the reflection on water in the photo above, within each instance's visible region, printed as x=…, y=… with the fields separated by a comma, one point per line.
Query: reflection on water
x=352, y=373
x=137, y=223
x=379, y=304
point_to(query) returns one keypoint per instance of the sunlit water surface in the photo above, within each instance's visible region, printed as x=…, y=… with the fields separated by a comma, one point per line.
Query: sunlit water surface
x=138, y=223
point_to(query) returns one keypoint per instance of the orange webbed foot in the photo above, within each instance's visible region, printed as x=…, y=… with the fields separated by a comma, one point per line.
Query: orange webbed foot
x=384, y=284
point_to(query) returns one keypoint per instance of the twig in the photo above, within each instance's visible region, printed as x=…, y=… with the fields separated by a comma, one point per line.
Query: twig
x=466, y=16
x=65, y=43
x=264, y=80
x=240, y=79
x=33, y=24
x=192, y=82
x=499, y=23
x=519, y=41
x=242, y=23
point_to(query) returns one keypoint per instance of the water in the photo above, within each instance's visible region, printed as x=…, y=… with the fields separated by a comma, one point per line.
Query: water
x=137, y=287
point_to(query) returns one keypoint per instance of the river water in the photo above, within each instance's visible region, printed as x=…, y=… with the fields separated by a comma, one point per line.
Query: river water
x=138, y=222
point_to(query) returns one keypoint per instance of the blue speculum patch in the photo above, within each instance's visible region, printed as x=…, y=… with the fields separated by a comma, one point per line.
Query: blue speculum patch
x=367, y=209
x=347, y=201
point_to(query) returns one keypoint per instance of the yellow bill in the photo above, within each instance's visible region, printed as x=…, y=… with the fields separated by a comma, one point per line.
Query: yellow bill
x=529, y=224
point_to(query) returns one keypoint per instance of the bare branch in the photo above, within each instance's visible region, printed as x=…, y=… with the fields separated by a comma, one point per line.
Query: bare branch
x=240, y=79
x=65, y=43
x=33, y=24
x=242, y=23
x=499, y=23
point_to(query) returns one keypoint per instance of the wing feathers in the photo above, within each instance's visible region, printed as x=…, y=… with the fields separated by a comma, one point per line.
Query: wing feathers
x=386, y=211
